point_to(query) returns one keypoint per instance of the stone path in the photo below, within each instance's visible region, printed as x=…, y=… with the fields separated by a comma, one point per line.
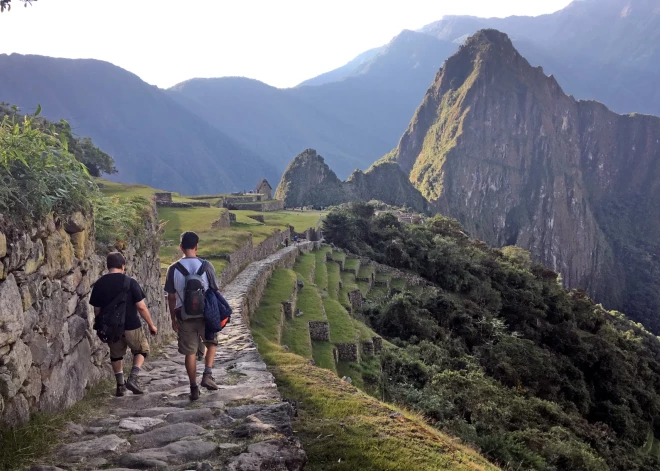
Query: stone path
x=244, y=426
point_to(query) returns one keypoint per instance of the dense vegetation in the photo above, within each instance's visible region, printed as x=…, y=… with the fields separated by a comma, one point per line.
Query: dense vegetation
x=44, y=169
x=538, y=377
x=38, y=173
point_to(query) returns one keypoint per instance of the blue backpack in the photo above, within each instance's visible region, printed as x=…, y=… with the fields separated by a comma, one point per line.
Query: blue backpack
x=217, y=313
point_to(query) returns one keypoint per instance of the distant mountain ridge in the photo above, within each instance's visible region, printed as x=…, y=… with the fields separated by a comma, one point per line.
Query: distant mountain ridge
x=153, y=140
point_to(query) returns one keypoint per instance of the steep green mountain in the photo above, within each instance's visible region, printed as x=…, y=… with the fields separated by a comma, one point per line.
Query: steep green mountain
x=499, y=354
x=352, y=122
x=498, y=145
x=308, y=180
x=152, y=139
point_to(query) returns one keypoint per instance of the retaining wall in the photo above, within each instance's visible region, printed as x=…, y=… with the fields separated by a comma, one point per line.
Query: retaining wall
x=245, y=291
x=249, y=253
x=49, y=354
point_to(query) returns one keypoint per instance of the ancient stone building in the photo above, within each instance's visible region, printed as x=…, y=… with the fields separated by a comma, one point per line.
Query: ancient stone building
x=264, y=188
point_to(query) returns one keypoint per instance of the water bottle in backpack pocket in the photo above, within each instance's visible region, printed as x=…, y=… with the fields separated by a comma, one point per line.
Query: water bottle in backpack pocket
x=193, y=292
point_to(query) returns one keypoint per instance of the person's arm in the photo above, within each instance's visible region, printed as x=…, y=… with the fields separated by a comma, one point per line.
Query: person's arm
x=213, y=281
x=137, y=293
x=170, y=289
x=171, y=302
x=144, y=313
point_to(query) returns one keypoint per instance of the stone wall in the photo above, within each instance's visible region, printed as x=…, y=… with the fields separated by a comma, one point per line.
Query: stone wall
x=319, y=330
x=378, y=344
x=348, y=351
x=258, y=218
x=49, y=354
x=224, y=221
x=245, y=291
x=271, y=205
x=355, y=298
x=249, y=253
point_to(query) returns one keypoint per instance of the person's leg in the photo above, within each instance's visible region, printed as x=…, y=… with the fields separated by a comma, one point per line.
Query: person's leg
x=200, y=350
x=207, y=378
x=139, y=345
x=117, y=351
x=188, y=344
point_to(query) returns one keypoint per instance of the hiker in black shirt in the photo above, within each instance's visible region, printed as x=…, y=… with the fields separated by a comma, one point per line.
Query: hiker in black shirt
x=105, y=290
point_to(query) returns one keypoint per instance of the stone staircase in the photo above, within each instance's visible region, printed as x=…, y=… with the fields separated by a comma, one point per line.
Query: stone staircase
x=243, y=426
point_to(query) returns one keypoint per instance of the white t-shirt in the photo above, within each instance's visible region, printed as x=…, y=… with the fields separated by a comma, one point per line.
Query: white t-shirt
x=175, y=281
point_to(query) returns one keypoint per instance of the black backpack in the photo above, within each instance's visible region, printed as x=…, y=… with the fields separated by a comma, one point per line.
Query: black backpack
x=110, y=322
x=193, y=292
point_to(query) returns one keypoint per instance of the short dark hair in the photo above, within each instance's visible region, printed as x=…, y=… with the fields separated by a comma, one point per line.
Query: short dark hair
x=115, y=260
x=189, y=240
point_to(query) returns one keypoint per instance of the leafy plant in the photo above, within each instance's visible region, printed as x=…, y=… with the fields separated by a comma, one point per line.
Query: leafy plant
x=38, y=173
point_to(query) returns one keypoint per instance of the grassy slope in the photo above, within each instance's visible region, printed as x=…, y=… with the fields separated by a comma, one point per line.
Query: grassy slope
x=333, y=279
x=342, y=428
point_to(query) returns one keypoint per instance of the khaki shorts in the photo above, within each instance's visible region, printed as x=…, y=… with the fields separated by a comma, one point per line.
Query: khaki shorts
x=190, y=332
x=133, y=339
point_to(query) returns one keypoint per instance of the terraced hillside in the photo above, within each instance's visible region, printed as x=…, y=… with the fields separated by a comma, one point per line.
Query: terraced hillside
x=311, y=310
x=309, y=331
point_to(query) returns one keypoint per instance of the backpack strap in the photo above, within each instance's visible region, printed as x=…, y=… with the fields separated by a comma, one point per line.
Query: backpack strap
x=202, y=268
x=127, y=283
x=179, y=266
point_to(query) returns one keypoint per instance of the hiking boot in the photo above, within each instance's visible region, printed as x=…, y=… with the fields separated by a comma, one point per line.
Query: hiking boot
x=208, y=383
x=194, y=393
x=121, y=389
x=133, y=385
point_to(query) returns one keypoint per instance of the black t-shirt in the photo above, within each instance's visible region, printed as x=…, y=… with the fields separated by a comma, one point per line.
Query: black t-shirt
x=109, y=286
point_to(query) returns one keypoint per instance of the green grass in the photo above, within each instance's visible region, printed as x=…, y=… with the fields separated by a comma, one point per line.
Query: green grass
x=398, y=283
x=333, y=279
x=366, y=271
x=364, y=287
x=339, y=256
x=341, y=324
x=130, y=190
x=348, y=285
x=383, y=277
x=322, y=355
x=377, y=293
x=352, y=264
x=267, y=319
x=305, y=266
x=22, y=446
x=342, y=428
x=321, y=271
x=296, y=331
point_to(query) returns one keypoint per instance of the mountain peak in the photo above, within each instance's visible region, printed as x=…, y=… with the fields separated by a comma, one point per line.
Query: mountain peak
x=490, y=36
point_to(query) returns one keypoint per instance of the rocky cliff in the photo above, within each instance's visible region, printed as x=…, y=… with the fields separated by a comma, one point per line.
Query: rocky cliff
x=49, y=354
x=498, y=145
x=309, y=181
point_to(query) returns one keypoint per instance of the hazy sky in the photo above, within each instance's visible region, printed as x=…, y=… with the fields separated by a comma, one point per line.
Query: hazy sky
x=280, y=42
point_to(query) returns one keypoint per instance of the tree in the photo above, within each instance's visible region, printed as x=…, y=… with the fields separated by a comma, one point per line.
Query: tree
x=6, y=4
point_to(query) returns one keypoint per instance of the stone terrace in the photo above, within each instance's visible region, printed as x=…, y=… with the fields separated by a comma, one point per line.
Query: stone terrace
x=244, y=426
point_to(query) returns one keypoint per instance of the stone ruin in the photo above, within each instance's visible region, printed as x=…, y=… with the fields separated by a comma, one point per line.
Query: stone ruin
x=368, y=347
x=319, y=330
x=287, y=309
x=165, y=200
x=355, y=297
x=378, y=344
x=162, y=198
x=258, y=218
x=224, y=221
x=348, y=351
